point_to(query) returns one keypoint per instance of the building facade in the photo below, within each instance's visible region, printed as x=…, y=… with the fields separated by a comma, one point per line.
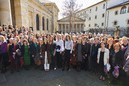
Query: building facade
x=77, y=25
x=106, y=14
x=118, y=15
x=29, y=13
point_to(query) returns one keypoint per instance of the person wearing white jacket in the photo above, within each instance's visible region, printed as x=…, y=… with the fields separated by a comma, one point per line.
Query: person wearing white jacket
x=102, y=59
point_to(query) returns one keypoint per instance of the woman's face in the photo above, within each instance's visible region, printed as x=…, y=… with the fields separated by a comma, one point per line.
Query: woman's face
x=51, y=39
x=25, y=43
x=117, y=47
x=125, y=41
x=11, y=41
x=67, y=37
x=110, y=42
x=41, y=41
x=14, y=41
x=102, y=45
x=79, y=40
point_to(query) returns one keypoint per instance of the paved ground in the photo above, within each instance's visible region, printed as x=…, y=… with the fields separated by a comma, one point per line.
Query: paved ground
x=52, y=78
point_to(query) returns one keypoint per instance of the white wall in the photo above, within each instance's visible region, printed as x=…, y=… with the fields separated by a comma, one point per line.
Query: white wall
x=98, y=13
x=121, y=18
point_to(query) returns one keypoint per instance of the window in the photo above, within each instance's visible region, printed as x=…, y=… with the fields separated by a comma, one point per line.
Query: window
x=47, y=24
x=95, y=24
x=123, y=10
x=128, y=22
x=37, y=22
x=102, y=24
x=89, y=25
x=116, y=12
x=90, y=10
x=89, y=18
x=115, y=22
x=95, y=17
x=42, y=23
x=96, y=9
x=102, y=15
x=103, y=6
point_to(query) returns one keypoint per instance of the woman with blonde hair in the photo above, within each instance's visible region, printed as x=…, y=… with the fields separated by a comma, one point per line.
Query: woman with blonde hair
x=110, y=43
x=50, y=51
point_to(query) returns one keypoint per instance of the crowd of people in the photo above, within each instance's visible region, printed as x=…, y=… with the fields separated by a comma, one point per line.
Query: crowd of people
x=101, y=54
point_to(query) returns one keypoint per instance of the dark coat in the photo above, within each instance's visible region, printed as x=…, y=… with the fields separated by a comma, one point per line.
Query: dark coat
x=118, y=59
x=79, y=52
x=33, y=48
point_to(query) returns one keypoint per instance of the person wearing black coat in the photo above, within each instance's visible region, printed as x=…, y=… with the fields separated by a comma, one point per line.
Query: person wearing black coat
x=117, y=60
x=33, y=51
x=93, y=56
x=84, y=54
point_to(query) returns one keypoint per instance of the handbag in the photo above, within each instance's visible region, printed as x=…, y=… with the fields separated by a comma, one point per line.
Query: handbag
x=38, y=61
x=116, y=72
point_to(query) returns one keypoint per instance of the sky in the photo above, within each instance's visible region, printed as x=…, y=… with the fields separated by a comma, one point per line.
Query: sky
x=84, y=3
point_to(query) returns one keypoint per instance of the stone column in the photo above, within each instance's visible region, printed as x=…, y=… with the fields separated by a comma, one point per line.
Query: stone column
x=65, y=28
x=75, y=27
x=40, y=23
x=79, y=28
x=72, y=27
x=61, y=27
x=5, y=12
x=34, y=21
x=68, y=28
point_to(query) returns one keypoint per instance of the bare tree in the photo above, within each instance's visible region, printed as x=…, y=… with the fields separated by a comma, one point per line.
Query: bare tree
x=70, y=9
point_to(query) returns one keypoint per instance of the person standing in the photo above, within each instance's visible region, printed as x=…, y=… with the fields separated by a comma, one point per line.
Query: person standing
x=102, y=60
x=58, y=51
x=79, y=54
x=51, y=48
x=85, y=54
x=47, y=58
x=68, y=52
x=33, y=51
x=117, y=62
x=4, y=54
x=94, y=53
x=25, y=53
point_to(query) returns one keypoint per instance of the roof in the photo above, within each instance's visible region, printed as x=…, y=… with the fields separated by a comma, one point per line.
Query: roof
x=66, y=19
x=92, y=5
x=45, y=1
x=118, y=5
